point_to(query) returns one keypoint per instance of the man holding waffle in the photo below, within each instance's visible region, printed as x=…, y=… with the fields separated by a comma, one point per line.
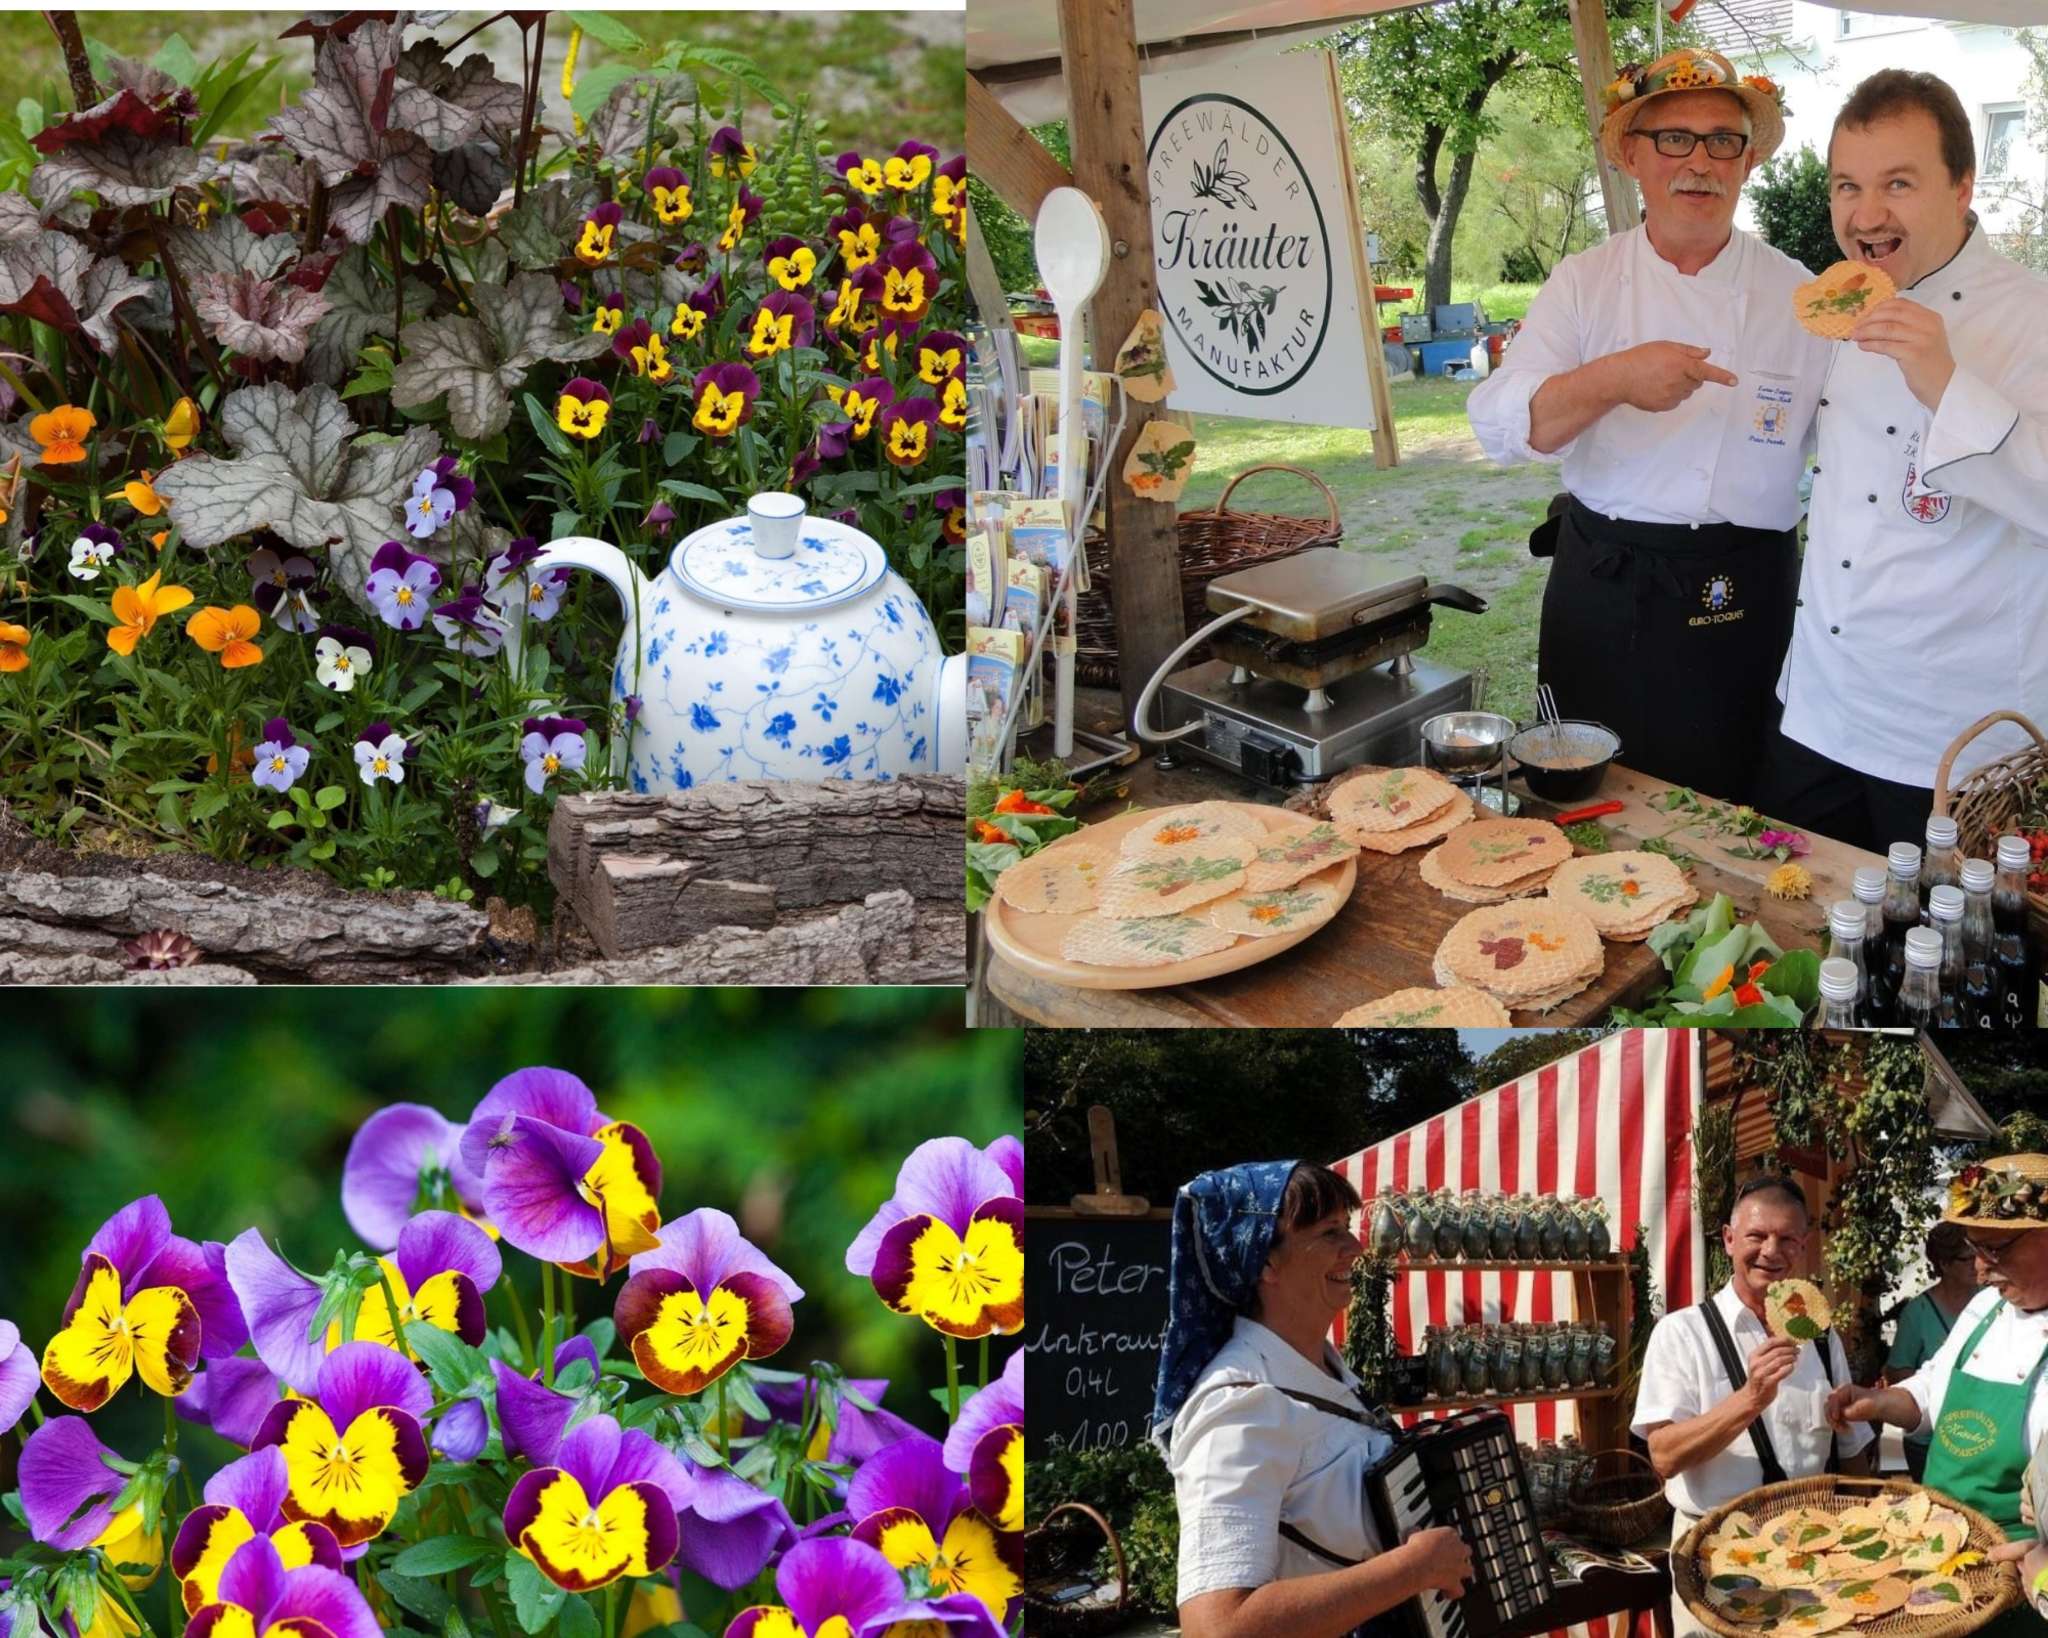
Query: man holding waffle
x=1666, y=370
x=1924, y=595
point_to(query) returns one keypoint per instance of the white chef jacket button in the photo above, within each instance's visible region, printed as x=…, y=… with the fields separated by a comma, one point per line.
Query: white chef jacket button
x=1823, y=403
x=1799, y=602
x=1955, y=295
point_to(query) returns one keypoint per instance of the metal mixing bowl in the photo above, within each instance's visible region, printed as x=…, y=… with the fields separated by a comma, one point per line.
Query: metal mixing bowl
x=1462, y=742
x=1589, y=746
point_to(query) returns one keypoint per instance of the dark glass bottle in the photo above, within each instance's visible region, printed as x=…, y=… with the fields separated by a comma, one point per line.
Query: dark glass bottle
x=1920, y=985
x=1941, y=866
x=2011, y=948
x=1879, y=993
x=1945, y=912
x=1901, y=916
x=1980, y=979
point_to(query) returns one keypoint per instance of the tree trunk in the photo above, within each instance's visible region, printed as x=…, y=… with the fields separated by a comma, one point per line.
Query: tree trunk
x=1436, y=276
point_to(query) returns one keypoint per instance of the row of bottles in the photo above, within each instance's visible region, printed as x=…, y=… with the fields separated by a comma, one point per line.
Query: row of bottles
x=1505, y=1360
x=1933, y=941
x=1445, y=1225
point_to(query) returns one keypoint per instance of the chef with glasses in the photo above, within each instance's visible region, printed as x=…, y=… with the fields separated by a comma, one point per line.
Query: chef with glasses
x=1665, y=371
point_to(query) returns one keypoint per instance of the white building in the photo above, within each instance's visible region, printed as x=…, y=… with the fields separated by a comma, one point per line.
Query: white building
x=1818, y=54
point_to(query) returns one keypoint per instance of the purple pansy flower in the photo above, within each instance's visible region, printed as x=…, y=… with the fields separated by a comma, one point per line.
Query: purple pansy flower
x=562, y=1181
x=532, y=1417
x=907, y=1503
x=95, y=547
x=393, y=1156
x=731, y=154
x=17, y=1376
x=830, y=1584
x=730, y=1529
x=782, y=321
x=68, y=1483
x=953, y=1202
x=550, y=745
x=470, y=625
x=259, y=1595
x=245, y=1499
x=232, y=1396
x=281, y=587
x=847, y=1434
x=381, y=754
x=661, y=517
x=400, y=586
x=702, y=1302
x=438, y=493
x=146, y=1301
x=354, y=1450
x=987, y=1445
x=510, y=580
x=625, y=1481
x=280, y=758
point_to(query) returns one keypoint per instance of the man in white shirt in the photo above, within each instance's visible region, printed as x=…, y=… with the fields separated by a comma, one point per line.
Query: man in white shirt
x=1702, y=1428
x=1666, y=371
x=1984, y=1395
x=1924, y=596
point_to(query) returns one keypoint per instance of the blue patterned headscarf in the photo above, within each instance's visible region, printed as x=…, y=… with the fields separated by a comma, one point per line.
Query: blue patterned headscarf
x=1223, y=1227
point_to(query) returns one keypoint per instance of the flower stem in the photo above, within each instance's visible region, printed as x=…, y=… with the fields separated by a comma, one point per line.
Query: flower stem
x=952, y=1379
x=112, y=1583
x=984, y=1362
x=724, y=1435
x=611, y=1610
x=547, y=1324
x=38, y=1409
x=519, y=1322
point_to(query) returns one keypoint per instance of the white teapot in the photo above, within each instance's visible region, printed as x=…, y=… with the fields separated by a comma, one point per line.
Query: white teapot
x=775, y=646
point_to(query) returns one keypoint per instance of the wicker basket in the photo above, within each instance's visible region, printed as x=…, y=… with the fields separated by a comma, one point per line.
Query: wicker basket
x=1997, y=1585
x=1212, y=543
x=1054, y=1557
x=1617, y=1500
x=1992, y=799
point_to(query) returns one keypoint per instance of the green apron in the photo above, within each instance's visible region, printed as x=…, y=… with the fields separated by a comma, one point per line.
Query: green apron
x=1979, y=1456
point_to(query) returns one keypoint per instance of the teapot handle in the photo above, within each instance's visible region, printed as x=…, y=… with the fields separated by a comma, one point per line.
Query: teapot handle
x=951, y=739
x=616, y=570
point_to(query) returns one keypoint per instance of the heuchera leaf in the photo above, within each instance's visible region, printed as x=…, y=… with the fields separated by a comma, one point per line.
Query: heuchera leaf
x=122, y=168
x=296, y=473
x=540, y=232
x=476, y=361
x=230, y=247
x=55, y=279
x=256, y=317
x=146, y=103
x=360, y=305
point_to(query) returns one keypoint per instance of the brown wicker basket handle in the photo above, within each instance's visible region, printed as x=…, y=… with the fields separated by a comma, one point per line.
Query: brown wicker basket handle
x=1123, y=1579
x=1329, y=495
x=1628, y=1457
x=1955, y=750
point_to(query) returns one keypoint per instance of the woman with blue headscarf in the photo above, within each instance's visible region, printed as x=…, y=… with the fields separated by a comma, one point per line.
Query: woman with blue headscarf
x=1267, y=1434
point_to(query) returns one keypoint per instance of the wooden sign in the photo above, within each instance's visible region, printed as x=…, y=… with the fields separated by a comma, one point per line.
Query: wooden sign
x=1098, y=1321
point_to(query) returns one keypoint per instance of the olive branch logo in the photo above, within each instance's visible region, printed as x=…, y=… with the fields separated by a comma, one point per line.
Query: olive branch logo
x=1220, y=183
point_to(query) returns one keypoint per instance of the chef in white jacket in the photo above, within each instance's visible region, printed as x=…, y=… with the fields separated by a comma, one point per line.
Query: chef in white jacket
x=1924, y=597
x=1666, y=371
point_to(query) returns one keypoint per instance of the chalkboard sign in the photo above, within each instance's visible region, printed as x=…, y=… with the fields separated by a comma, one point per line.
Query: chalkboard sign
x=1098, y=1320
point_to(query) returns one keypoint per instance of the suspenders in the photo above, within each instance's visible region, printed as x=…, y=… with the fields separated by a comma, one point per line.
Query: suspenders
x=1731, y=1363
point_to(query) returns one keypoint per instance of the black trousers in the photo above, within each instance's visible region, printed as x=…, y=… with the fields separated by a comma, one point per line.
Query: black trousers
x=1813, y=792
x=1671, y=636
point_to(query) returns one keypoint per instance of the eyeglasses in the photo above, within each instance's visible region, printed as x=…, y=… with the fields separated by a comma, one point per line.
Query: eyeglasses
x=1997, y=1253
x=1677, y=144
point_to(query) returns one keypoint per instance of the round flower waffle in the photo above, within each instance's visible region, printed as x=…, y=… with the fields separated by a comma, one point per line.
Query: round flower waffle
x=1454, y=1008
x=1054, y=881
x=1522, y=954
x=1901, y=1558
x=1500, y=853
x=1830, y=305
x=1149, y=941
x=1189, y=829
x=1451, y=888
x=1455, y=813
x=1622, y=894
x=1796, y=1309
x=1270, y=914
x=1294, y=851
x=1389, y=799
x=1155, y=885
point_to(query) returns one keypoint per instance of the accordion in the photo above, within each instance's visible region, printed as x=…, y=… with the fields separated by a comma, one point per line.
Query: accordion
x=1464, y=1473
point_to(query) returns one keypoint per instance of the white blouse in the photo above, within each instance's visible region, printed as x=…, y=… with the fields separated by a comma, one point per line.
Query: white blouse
x=1683, y=1378
x=1245, y=1457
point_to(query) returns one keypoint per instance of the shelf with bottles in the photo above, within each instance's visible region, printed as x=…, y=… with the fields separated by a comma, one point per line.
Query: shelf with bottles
x=1446, y=1228
x=1503, y=1400
x=1445, y=1265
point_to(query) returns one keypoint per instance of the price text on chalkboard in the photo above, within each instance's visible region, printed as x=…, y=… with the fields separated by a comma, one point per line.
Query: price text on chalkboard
x=1098, y=1320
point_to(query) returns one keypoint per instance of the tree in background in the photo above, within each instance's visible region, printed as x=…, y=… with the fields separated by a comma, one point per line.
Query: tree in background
x=1526, y=1054
x=1426, y=76
x=1008, y=235
x=1187, y=1100
x=1790, y=193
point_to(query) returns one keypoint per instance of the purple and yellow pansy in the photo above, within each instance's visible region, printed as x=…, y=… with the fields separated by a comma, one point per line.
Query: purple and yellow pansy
x=640, y=346
x=731, y=154
x=864, y=176
x=608, y=314
x=910, y=1507
x=948, y=1246
x=830, y=1587
x=668, y=194
x=594, y=244
x=725, y=399
x=396, y=1164
x=790, y=262
x=147, y=1303
x=846, y=308
x=354, y=1450
x=697, y=309
x=745, y=210
x=260, y=1597
x=583, y=407
x=949, y=193
x=859, y=238
x=862, y=402
x=908, y=281
x=604, y=1507
x=782, y=321
x=986, y=1446
x=244, y=1500
x=906, y=430
x=941, y=355
x=703, y=1302
x=563, y=1182
x=910, y=166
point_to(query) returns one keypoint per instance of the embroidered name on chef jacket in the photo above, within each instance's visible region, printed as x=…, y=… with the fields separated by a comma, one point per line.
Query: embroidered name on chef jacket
x=1923, y=502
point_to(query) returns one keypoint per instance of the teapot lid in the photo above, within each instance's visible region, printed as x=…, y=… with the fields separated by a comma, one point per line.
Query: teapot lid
x=833, y=563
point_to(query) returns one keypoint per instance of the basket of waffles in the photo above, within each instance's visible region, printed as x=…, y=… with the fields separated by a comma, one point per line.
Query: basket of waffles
x=1189, y=881
x=1390, y=810
x=1625, y=895
x=1529, y=955
x=1884, y=1556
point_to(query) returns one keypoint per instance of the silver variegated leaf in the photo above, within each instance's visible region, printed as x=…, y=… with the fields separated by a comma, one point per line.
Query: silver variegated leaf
x=542, y=230
x=405, y=178
x=619, y=127
x=19, y=218
x=472, y=175
x=476, y=361
x=109, y=287
x=56, y=279
x=121, y=168
x=231, y=247
x=259, y=318
x=359, y=306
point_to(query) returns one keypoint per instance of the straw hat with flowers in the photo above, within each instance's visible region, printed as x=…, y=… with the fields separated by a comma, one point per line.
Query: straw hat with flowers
x=1691, y=69
x=2010, y=1192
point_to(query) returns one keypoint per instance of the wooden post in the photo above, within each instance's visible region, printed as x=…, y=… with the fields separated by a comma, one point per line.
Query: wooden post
x=1595, y=49
x=1109, y=1199
x=1099, y=49
x=983, y=283
x=1008, y=157
x=1386, y=446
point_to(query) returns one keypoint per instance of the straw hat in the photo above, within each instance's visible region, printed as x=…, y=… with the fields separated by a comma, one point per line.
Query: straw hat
x=2010, y=1192
x=1691, y=69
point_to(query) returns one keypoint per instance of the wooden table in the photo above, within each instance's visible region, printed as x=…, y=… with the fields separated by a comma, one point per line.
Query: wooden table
x=1385, y=938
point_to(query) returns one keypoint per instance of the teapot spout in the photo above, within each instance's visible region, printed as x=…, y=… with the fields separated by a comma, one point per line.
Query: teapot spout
x=635, y=593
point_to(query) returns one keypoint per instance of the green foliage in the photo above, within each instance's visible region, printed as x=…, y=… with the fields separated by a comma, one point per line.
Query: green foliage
x=1368, y=1329
x=1133, y=1490
x=1008, y=235
x=1713, y=1148
x=1524, y=1054
x=1790, y=193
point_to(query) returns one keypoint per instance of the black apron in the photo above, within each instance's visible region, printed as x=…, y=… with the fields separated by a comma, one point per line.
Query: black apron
x=1672, y=636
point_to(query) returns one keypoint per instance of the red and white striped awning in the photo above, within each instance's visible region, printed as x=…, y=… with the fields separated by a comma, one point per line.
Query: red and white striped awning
x=1613, y=1122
